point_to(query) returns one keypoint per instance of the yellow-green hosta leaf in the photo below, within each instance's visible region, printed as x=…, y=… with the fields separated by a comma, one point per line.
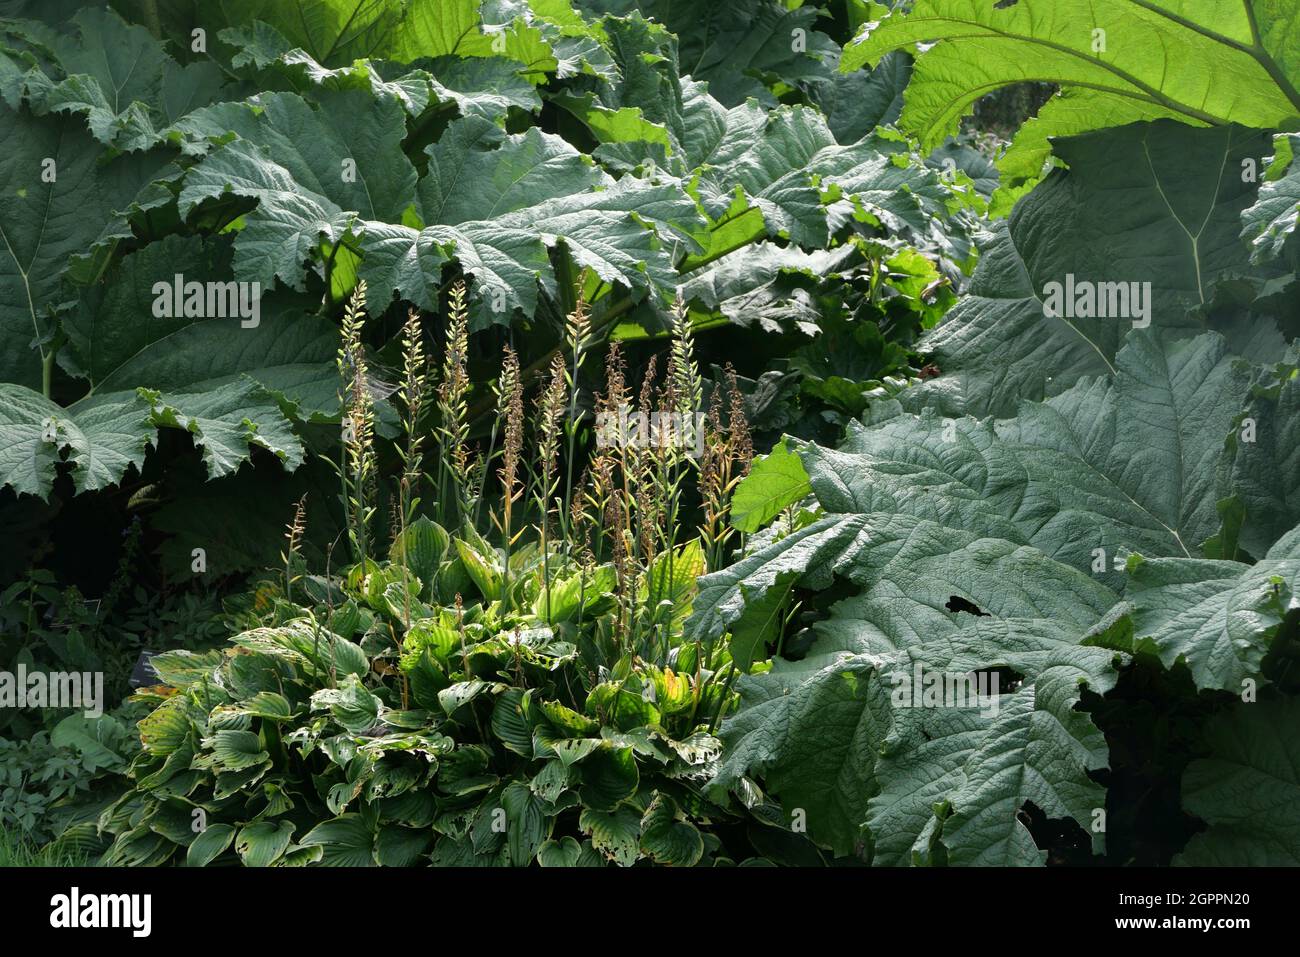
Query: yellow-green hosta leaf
x=421, y=547
x=484, y=570
x=672, y=578
x=567, y=720
x=673, y=691
x=168, y=726
x=182, y=668
x=304, y=643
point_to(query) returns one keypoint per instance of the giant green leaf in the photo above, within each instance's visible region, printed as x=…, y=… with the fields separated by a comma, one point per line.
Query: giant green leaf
x=1247, y=789
x=104, y=437
x=497, y=204
x=1117, y=61
x=60, y=203
x=1219, y=617
x=1264, y=458
x=1151, y=203
x=741, y=48
x=1271, y=223
x=829, y=735
x=120, y=79
x=117, y=340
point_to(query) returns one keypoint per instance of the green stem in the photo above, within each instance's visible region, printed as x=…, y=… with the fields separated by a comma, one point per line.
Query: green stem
x=47, y=372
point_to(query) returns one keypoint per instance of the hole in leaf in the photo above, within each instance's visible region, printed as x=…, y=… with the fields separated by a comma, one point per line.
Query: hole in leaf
x=957, y=603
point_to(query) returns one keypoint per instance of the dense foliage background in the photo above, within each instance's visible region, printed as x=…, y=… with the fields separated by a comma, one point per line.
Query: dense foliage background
x=825, y=234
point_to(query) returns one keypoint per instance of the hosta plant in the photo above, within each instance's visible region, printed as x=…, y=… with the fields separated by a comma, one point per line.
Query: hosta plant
x=513, y=696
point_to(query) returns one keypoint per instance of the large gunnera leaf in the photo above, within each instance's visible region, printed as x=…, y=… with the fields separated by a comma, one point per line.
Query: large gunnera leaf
x=1220, y=618
x=1271, y=223
x=756, y=172
x=60, y=202
x=1201, y=62
x=982, y=547
x=1130, y=464
x=498, y=203
x=852, y=721
x=1136, y=233
x=1247, y=789
x=117, y=338
x=742, y=47
x=103, y=435
x=120, y=79
x=1264, y=455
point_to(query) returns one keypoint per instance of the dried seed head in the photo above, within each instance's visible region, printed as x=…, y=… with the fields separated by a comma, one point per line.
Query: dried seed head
x=510, y=407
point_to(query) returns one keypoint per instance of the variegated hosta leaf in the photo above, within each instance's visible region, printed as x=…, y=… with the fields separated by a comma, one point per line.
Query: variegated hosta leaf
x=615, y=834
x=666, y=837
x=567, y=852
x=346, y=841
x=262, y=843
